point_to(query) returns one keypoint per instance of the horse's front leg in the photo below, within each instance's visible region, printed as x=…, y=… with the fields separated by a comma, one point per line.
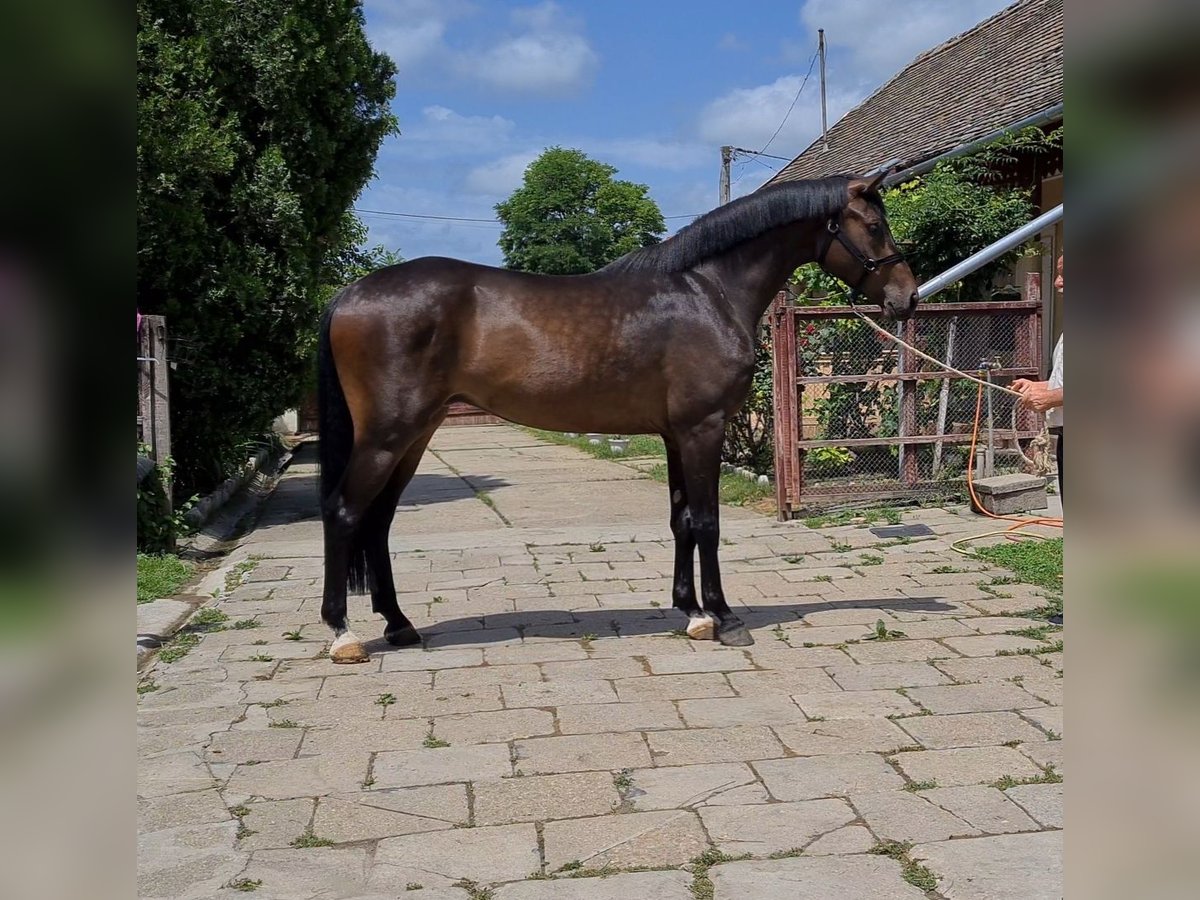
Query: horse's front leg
x=700, y=454
x=683, y=588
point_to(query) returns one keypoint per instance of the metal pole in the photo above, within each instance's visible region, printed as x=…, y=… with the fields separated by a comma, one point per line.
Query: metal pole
x=988, y=254
x=990, y=459
x=726, y=156
x=824, y=111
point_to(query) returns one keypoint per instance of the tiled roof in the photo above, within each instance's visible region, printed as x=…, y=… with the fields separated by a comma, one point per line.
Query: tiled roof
x=1003, y=70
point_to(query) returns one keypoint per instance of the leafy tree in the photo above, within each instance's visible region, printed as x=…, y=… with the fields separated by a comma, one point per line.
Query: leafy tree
x=944, y=217
x=258, y=125
x=570, y=217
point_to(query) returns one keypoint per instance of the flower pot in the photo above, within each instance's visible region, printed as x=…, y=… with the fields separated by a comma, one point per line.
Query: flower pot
x=595, y=439
x=571, y=434
x=618, y=445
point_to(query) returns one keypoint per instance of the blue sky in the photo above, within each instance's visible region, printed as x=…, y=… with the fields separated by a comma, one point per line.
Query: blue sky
x=652, y=87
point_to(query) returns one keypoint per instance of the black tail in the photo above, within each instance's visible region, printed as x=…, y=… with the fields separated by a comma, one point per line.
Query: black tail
x=337, y=440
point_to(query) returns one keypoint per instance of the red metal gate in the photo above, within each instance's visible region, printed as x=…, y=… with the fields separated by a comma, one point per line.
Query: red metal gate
x=858, y=418
x=466, y=414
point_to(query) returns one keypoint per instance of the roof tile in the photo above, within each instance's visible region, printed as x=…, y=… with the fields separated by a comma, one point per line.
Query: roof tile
x=1006, y=68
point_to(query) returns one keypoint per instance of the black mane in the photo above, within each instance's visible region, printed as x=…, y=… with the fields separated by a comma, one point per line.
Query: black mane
x=739, y=221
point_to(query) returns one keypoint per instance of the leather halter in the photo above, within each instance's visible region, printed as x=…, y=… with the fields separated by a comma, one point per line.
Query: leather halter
x=833, y=232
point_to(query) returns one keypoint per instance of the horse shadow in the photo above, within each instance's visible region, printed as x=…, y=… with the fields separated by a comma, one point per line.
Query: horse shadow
x=599, y=625
x=296, y=498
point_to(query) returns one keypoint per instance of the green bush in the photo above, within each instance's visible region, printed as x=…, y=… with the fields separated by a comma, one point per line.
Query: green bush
x=257, y=127
x=749, y=436
x=157, y=530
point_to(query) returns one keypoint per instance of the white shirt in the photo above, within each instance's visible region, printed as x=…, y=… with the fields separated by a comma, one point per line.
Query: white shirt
x=1054, y=417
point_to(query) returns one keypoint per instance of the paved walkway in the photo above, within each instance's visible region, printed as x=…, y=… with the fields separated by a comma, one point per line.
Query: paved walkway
x=555, y=739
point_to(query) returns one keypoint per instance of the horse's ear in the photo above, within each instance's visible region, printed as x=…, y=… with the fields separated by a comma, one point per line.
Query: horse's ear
x=868, y=184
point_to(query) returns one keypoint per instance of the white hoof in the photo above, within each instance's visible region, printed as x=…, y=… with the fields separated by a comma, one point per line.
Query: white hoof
x=701, y=628
x=347, y=648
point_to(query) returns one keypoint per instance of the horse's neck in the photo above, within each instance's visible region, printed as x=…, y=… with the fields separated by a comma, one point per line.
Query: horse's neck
x=751, y=274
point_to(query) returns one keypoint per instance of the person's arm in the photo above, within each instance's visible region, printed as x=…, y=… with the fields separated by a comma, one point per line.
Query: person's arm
x=1038, y=395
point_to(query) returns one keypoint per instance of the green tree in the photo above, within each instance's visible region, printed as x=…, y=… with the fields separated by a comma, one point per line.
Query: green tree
x=570, y=216
x=943, y=217
x=258, y=126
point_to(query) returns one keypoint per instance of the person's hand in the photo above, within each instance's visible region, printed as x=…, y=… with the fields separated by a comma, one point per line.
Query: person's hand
x=1037, y=395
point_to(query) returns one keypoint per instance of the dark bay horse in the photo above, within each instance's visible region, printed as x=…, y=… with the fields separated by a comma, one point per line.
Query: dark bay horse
x=660, y=341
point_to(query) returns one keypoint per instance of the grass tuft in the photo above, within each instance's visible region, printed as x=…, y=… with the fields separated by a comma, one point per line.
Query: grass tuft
x=308, y=840
x=160, y=576
x=881, y=633
x=1048, y=776
x=1034, y=562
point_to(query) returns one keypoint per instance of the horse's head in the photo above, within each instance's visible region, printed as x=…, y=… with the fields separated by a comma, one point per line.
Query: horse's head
x=858, y=248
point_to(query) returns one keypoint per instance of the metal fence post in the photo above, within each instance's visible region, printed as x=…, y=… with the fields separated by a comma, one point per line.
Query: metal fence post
x=780, y=414
x=910, y=471
x=1029, y=342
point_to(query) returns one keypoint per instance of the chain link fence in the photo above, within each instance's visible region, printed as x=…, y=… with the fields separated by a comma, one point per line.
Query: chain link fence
x=858, y=417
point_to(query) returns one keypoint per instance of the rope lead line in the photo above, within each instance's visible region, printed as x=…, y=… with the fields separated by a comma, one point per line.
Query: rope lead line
x=937, y=362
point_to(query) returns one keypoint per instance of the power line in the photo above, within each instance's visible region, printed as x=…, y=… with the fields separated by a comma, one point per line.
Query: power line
x=746, y=152
x=404, y=215
x=793, y=106
x=754, y=155
x=388, y=214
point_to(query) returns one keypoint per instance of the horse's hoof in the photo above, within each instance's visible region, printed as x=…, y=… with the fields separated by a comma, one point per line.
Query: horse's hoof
x=700, y=628
x=347, y=649
x=402, y=637
x=735, y=635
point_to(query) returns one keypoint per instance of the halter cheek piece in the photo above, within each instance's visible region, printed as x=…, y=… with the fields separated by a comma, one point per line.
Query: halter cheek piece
x=833, y=232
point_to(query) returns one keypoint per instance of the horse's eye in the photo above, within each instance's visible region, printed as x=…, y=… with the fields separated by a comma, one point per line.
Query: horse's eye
x=875, y=228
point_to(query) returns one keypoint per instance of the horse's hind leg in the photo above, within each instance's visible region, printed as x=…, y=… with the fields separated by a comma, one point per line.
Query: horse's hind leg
x=368, y=471
x=399, y=631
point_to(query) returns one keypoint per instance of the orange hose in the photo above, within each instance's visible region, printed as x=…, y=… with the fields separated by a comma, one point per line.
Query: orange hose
x=1019, y=521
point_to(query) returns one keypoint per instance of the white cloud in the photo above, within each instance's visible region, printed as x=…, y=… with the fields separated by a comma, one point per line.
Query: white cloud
x=882, y=36
x=551, y=56
x=412, y=32
x=650, y=153
x=445, y=126
x=500, y=177
x=730, y=41
x=409, y=45
x=748, y=117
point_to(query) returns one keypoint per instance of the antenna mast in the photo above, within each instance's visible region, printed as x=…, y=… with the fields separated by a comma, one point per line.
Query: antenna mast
x=824, y=113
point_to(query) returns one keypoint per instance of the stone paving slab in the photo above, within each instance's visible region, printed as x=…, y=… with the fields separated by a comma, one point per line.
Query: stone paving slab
x=679, y=787
x=985, y=808
x=860, y=877
x=1044, y=802
x=1007, y=867
x=633, y=839
x=486, y=854
x=634, y=886
x=808, y=778
x=538, y=798
x=776, y=827
x=553, y=714
x=965, y=765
